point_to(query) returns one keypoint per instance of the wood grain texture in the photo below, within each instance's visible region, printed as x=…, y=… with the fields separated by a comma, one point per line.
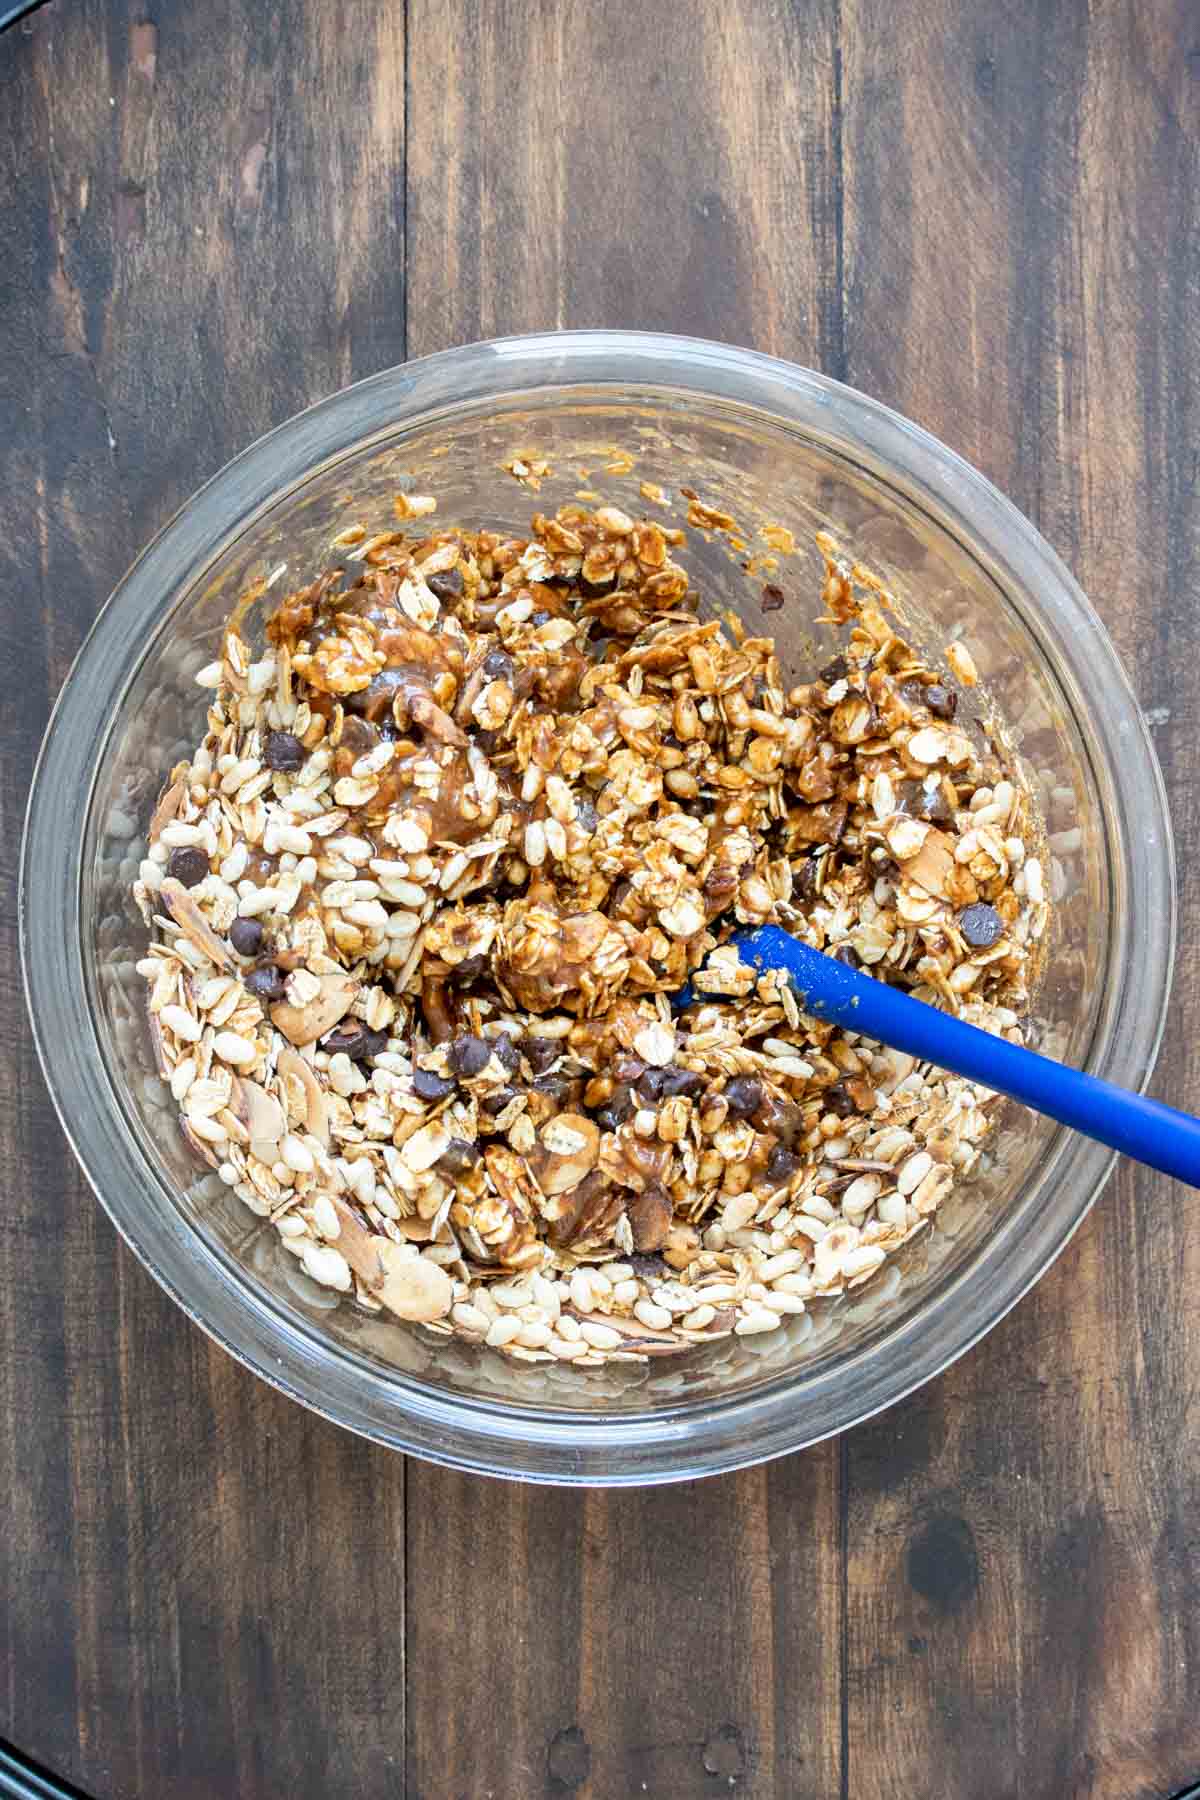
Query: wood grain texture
x=567, y=170
x=201, y=1587
x=987, y=216
x=1023, y=267
x=682, y=1642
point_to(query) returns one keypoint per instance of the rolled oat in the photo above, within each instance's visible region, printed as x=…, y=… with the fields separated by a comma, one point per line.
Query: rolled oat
x=421, y=896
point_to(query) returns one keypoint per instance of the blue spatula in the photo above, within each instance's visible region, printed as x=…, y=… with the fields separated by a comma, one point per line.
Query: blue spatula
x=1144, y=1129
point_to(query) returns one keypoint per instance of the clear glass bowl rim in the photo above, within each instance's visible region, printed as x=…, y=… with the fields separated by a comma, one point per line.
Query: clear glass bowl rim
x=688, y=1439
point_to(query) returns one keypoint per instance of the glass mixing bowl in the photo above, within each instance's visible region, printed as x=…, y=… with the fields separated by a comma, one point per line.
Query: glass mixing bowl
x=773, y=444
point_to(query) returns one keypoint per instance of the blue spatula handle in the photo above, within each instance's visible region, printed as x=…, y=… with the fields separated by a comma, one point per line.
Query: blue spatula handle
x=1144, y=1129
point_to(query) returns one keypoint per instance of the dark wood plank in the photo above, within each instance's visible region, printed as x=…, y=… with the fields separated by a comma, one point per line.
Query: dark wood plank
x=569, y=170
x=685, y=1641
x=201, y=1587
x=202, y=1590
x=1022, y=262
x=677, y=1641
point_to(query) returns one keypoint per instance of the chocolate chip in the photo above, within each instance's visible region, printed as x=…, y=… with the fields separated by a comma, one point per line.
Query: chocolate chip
x=593, y=1206
x=284, y=752
x=355, y=1040
x=266, y=982
x=807, y=877
x=845, y=953
x=539, y=1053
x=781, y=1165
x=540, y=616
x=469, y=969
x=743, y=1096
x=506, y=1052
x=555, y=1087
x=782, y=1118
x=924, y=803
x=586, y=816
x=941, y=701
x=720, y=885
x=487, y=740
x=837, y=1101
x=835, y=670
x=650, y=1086
x=427, y=1085
x=910, y=797
x=498, y=665
x=772, y=597
x=681, y=1081
x=627, y=1067
x=649, y=1214
x=361, y=710
x=616, y=1109
x=187, y=866
x=650, y=1269
x=496, y=1103
x=469, y=1054
x=981, y=925
x=459, y=1156
x=448, y=585
x=246, y=936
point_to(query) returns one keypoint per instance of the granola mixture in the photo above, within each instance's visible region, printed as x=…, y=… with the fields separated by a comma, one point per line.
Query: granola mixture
x=421, y=896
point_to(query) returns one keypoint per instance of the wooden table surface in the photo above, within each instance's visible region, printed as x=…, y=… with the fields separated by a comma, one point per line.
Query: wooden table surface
x=984, y=212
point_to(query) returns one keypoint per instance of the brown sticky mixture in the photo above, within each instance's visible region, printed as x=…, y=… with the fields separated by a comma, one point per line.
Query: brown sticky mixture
x=421, y=896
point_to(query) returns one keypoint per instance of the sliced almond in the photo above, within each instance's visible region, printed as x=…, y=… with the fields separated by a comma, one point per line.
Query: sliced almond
x=933, y=864
x=408, y=1286
x=194, y=926
x=641, y=1338
x=559, y=1169
x=169, y=802
x=156, y=1041
x=259, y=1112
x=198, y=1144
x=290, y=1062
x=356, y=1243
x=304, y=1024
